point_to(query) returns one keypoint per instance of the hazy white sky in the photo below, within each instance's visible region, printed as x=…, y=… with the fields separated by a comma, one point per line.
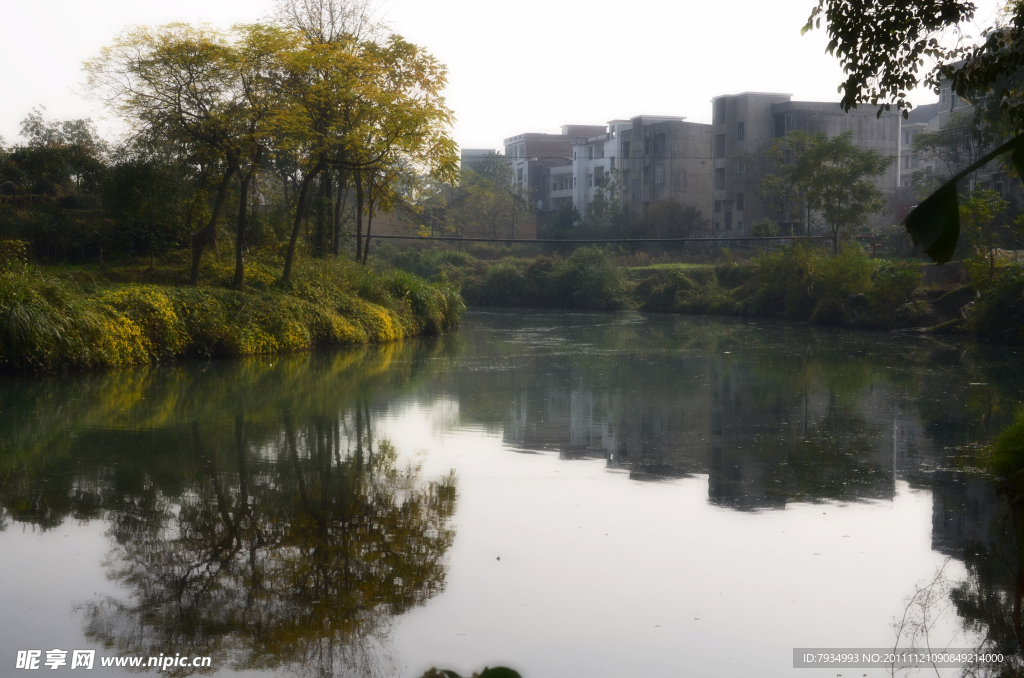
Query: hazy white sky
x=527, y=66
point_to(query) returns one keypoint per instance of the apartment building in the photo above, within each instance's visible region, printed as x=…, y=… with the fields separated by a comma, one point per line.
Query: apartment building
x=744, y=126
x=665, y=158
x=533, y=155
x=593, y=159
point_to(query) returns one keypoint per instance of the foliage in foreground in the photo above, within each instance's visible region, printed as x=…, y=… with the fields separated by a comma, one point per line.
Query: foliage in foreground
x=46, y=324
x=496, y=672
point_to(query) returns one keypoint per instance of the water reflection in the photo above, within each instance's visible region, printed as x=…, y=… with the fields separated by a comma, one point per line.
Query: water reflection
x=255, y=513
x=275, y=539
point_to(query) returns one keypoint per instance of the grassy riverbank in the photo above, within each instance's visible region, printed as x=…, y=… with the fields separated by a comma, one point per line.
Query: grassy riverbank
x=57, y=318
x=801, y=282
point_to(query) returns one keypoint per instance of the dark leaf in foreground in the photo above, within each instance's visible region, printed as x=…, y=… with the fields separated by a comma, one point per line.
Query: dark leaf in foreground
x=499, y=672
x=935, y=223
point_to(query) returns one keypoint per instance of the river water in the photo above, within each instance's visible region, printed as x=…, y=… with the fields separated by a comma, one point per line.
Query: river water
x=568, y=494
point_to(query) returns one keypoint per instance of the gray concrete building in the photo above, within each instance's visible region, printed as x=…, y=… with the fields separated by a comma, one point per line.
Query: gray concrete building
x=744, y=126
x=665, y=158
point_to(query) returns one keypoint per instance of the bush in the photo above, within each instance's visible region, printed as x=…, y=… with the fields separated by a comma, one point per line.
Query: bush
x=766, y=228
x=589, y=279
x=999, y=312
x=1006, y=454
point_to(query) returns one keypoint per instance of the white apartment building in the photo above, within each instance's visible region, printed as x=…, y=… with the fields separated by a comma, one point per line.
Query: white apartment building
x=593, y=159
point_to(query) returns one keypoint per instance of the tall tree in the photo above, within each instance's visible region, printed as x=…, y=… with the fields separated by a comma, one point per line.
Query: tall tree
x=261, y=52
x=825, y=177
x=177, y=84
x=787, y=184
x=841, y=186
x=361, y=107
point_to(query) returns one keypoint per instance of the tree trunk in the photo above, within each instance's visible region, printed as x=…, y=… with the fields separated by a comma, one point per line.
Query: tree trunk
x=320, y=233
x=328, y=213
x=243, y=213
x=359, y=214
x=208, y=235
x=299, y=214
x=338, y=202
x=369, y=226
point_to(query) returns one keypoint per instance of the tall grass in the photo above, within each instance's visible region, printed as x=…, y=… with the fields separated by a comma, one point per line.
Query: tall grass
x=48, y=325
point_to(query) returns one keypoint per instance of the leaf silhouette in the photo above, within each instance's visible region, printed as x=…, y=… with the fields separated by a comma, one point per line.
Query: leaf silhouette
x=935, y=223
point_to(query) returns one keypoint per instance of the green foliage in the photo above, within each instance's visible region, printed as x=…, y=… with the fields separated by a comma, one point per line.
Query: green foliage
x=1007, y=450
x=696, y=290
x=45, y=326
x=830, y=176
x=999, y=313
x=766, y=228
x=588, y=279
x=894, y=241
x=803, y=282
x=41, y=326
x=427, y=264
x=669, y=219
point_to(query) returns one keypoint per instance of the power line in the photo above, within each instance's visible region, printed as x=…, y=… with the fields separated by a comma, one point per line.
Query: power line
x=554, y=241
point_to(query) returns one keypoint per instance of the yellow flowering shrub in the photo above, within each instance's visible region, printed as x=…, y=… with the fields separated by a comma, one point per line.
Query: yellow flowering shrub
x=164, y=335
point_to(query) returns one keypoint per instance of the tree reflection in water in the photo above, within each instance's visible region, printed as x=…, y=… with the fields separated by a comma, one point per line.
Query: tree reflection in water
x=297, y=551
x=291, y=539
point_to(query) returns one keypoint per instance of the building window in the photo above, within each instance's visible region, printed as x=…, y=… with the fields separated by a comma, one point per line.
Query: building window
x=718, y=112
x=719, y=178
x=637, y=160
x=590, y=152
x=647, y=175
x=522, y=151
x=590, y=181
x=739, y=131
x=718, y=207
x=719, y=145
x=519, y=175
x=554, y=185
x=943, y=96
x=612, y=159
x=739, y=202
x=636, y=192
x=659, y=143
x=728, y=221
x=659, y=174
x=789, y=123
x=739, y=167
